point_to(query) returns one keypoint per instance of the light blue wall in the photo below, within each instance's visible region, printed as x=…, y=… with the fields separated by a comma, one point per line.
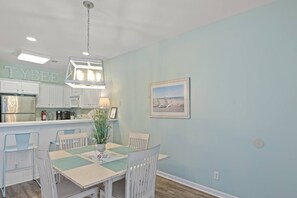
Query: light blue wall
x=243, y=87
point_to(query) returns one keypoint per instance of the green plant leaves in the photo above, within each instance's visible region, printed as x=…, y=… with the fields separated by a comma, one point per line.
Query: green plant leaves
x=101, y=126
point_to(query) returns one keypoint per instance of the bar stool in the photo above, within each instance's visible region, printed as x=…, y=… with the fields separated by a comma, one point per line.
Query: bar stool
x=17, y=142
x=54, y=145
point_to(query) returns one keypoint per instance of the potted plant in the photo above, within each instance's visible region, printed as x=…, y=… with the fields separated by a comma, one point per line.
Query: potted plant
x=101, y=127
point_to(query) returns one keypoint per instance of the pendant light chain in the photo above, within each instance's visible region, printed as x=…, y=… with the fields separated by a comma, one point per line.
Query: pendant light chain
x=89, y=5
x=88, y=32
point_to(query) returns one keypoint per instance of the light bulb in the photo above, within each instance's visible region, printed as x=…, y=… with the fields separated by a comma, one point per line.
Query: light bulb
x=91, y=76
x=79, y=75
x=98, y=77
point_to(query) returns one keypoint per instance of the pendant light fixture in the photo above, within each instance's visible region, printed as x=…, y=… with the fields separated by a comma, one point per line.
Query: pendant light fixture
x=84, y=72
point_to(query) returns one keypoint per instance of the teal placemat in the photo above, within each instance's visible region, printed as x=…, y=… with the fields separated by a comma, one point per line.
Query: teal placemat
x=68, y=163
x=117, y=165
x=82, y=150
x=124, y=150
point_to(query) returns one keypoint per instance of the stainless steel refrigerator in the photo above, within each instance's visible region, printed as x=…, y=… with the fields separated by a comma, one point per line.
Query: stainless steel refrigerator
x=17, y=108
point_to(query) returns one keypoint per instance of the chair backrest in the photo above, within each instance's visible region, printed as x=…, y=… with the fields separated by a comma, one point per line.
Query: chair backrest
x=66, y=131
x=141, y=173
x=21, y=141
x=47, y=180
x=75, y=140
x=138, y=140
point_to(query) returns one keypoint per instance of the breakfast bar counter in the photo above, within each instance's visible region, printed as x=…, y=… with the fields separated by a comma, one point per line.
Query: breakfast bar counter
x=47, y=132
x=43, y=123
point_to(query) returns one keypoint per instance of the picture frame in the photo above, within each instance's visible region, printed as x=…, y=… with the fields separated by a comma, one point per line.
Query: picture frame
x=170, y=99
x=113, y=112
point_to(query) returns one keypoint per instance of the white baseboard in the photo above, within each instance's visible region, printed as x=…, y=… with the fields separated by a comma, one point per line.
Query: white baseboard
x=195, y=185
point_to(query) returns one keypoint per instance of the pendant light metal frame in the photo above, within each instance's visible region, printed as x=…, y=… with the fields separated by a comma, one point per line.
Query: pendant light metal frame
x=85, y=73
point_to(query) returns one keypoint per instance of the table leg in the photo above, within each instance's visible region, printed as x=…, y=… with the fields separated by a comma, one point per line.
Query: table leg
x=108, y=188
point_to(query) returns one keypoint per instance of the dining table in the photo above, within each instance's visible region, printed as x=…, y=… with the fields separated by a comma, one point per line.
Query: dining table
x=87, y=167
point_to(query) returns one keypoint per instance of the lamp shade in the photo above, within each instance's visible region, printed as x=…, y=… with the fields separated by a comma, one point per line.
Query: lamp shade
x=85, y=73
x=104, y=102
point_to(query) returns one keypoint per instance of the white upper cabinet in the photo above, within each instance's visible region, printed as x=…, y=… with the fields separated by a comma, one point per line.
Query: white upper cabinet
x=60, y=96
x=50, y=96
x=19, y=87
x=67, y=93
x=90, y=98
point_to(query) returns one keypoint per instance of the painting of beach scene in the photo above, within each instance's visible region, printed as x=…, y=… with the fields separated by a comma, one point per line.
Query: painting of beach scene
x=170, y=99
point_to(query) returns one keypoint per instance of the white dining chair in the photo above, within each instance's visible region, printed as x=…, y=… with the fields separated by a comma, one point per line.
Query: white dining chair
x=71, y=141
x=54, y=145
x=140, y=177
x=138, y=140
x=49, y=188
x=18, y=142
x=75, y=140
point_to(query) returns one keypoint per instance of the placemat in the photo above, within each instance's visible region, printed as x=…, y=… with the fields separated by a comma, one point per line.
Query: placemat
x=124, y=150
x=68, y=163
x=117, y=165
x=82, y=149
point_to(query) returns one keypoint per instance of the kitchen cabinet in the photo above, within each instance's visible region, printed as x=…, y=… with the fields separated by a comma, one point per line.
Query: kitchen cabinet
x=50, y=96
x=66, y=96
x=76, y=91
x=89, y=98
x=71, y=97
x=19, y=87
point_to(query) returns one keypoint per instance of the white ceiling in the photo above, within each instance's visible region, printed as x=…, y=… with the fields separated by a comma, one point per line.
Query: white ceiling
x=116, y=26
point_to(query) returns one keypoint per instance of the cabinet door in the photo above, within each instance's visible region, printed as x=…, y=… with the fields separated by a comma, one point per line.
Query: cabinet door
x=90, y=98
x=67, y=93
x=56, y=96
x=20, y=87
x=94, y=99
x=84, y=99
x=50, y=96
x=29, y=88
x=43, y=98
x=7, y=86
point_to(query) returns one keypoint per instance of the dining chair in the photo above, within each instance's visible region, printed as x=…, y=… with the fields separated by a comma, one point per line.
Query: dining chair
x=18, y=142
x=51, y=189
x=54, y=145
x=138, y=140
x=75, y=140
x=140, y=178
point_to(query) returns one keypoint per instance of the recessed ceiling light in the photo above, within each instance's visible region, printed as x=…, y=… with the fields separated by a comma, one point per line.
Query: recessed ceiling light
x=33, y=57
x=86, y=53
x=29, y=38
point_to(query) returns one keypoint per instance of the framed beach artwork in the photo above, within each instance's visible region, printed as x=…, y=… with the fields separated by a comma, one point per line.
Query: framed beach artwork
x=170, y=99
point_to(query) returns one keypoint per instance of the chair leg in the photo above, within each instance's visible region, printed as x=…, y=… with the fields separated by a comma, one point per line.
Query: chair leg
x=33, y=169
x=102, y=194
x=33, y=164
x=3, y=188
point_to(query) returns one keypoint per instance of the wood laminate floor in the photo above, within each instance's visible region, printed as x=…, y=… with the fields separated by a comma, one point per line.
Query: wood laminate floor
x=164, y=189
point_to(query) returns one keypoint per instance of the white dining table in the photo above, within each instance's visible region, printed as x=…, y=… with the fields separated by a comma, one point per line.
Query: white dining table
x=83, y=167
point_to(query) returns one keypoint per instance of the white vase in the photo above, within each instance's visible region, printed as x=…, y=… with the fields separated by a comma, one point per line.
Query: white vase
x=101, y=148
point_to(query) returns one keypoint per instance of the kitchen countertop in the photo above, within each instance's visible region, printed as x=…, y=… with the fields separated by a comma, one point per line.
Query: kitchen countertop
x=49, y=122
